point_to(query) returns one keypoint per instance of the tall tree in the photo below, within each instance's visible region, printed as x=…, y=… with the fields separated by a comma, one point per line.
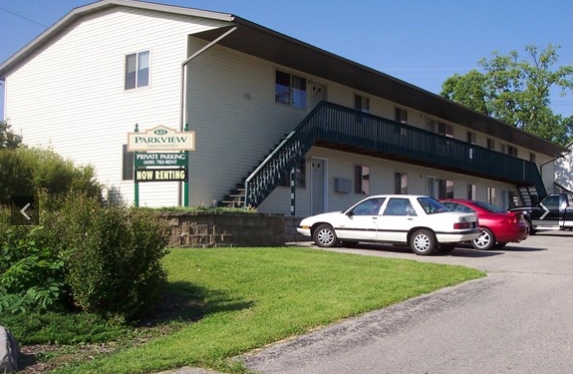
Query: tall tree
x=518, y=92
x=7, y=138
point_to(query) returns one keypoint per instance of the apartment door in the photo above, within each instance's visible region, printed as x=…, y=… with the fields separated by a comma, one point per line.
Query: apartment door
x=318, y=186
x=318, y=93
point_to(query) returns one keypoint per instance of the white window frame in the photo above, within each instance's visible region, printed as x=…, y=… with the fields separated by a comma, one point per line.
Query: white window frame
x=138, y=70
x=362, y=179
x=288, y=97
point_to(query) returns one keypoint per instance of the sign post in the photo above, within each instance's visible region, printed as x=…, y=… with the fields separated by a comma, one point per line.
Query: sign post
x=153, y=149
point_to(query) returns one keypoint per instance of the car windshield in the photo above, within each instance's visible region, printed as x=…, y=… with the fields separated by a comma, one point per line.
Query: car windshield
x=432, y=205
x=489, y=207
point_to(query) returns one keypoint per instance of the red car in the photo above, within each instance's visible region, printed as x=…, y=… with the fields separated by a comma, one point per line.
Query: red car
x=498, y=226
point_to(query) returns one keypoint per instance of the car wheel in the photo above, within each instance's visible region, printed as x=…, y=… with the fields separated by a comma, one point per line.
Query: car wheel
x=324, y=236
x=499, y=245
x=423, y=242
x=485, y=241
x=446, y=248
x=530, y=227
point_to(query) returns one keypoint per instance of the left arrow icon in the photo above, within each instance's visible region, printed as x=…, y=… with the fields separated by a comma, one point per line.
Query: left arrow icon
x=23, y=211
x=545, y=209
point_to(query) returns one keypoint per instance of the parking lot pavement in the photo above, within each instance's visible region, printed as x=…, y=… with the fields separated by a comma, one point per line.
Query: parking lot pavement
x=517, y=319
x=524, y=256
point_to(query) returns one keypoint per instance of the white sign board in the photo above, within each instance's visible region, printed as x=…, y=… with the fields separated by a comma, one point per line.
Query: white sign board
x=160, y=138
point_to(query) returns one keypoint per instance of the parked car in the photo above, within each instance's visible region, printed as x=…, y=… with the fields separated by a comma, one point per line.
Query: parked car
x=554, y=212
x=421, y=222
x=498, y=226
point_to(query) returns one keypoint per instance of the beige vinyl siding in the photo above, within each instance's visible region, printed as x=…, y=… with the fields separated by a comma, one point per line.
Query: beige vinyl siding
x=341, y=165
x=232, y=110
x=76, y=87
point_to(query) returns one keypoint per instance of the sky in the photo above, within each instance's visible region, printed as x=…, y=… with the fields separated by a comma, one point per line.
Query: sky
x=422, y=42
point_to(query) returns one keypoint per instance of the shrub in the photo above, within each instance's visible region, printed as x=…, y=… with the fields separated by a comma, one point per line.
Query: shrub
x=31, y=270
x=26, y=171
x=114, y=267
x=104, y=260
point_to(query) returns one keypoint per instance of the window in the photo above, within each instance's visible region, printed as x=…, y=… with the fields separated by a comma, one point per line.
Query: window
x=531, y=156
x=490, y=144
x=491, y=195
x=400, y=183
x=362, y=103
x=399, y=207
x=445, y=130
x=439, y=188
x=362, y=179
x=127, y=164
x=300, y=175
x=290, y=90
x=472, y=192
x=368, y=207
x=471, y=137
x=449, y=190
x=401, y=116
x=137, y=70
x=509, y=149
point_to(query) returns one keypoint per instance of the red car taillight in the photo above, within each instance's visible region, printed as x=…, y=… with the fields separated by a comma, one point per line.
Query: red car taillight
x=462, y=225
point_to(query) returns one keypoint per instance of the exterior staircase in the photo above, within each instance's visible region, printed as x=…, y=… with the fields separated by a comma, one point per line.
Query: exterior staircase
x=334, y=126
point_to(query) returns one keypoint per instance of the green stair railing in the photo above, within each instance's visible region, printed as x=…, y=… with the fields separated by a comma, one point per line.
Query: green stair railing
x=332, y=123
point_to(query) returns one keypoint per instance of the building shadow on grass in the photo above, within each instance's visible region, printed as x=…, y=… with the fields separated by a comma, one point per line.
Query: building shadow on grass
x=187, y=302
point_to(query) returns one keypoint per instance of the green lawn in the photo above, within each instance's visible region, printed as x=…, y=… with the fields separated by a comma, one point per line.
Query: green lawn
x=248, y=297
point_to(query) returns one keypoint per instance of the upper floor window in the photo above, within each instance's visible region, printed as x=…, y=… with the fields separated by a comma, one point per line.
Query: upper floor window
x=362, y=103
x=445, y=129
x=401, y=115
x=137, y=70
x=290, y=90
x=531, y=156
x=509, y=149
x=471, y=137
x=490, y=144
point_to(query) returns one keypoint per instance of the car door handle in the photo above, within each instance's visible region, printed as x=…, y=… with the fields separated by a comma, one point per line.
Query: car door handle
x=410, y=218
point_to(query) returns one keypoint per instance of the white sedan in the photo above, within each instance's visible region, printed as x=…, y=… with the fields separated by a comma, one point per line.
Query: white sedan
x=420, y=222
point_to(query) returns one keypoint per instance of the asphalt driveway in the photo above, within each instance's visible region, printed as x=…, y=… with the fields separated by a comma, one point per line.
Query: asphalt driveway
x=518, y=319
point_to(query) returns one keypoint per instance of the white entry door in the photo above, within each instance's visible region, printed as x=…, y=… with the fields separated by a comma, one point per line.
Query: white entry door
x=318, y=93
x=318, y=185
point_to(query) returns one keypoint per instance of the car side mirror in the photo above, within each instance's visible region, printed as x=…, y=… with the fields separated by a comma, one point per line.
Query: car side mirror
x=350, y=213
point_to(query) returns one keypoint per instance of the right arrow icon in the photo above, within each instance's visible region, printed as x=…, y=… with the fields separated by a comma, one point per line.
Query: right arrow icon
x=546, y=210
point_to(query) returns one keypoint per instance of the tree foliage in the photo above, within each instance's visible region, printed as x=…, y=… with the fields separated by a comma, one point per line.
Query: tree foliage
x=7, y=138
x=518, y=91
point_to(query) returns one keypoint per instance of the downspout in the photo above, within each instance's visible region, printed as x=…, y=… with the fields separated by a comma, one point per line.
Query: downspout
x=183, y=96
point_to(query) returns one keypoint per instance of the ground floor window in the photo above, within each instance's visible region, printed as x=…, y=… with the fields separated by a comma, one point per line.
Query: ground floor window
x=400, y=183
x=127, y=164
x=491, y=195
x=300, y=175
x=439, y=188
x=362, y=179
x=472, y=192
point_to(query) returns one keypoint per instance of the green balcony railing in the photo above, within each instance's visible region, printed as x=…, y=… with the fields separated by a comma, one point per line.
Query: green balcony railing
x=336, y=124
